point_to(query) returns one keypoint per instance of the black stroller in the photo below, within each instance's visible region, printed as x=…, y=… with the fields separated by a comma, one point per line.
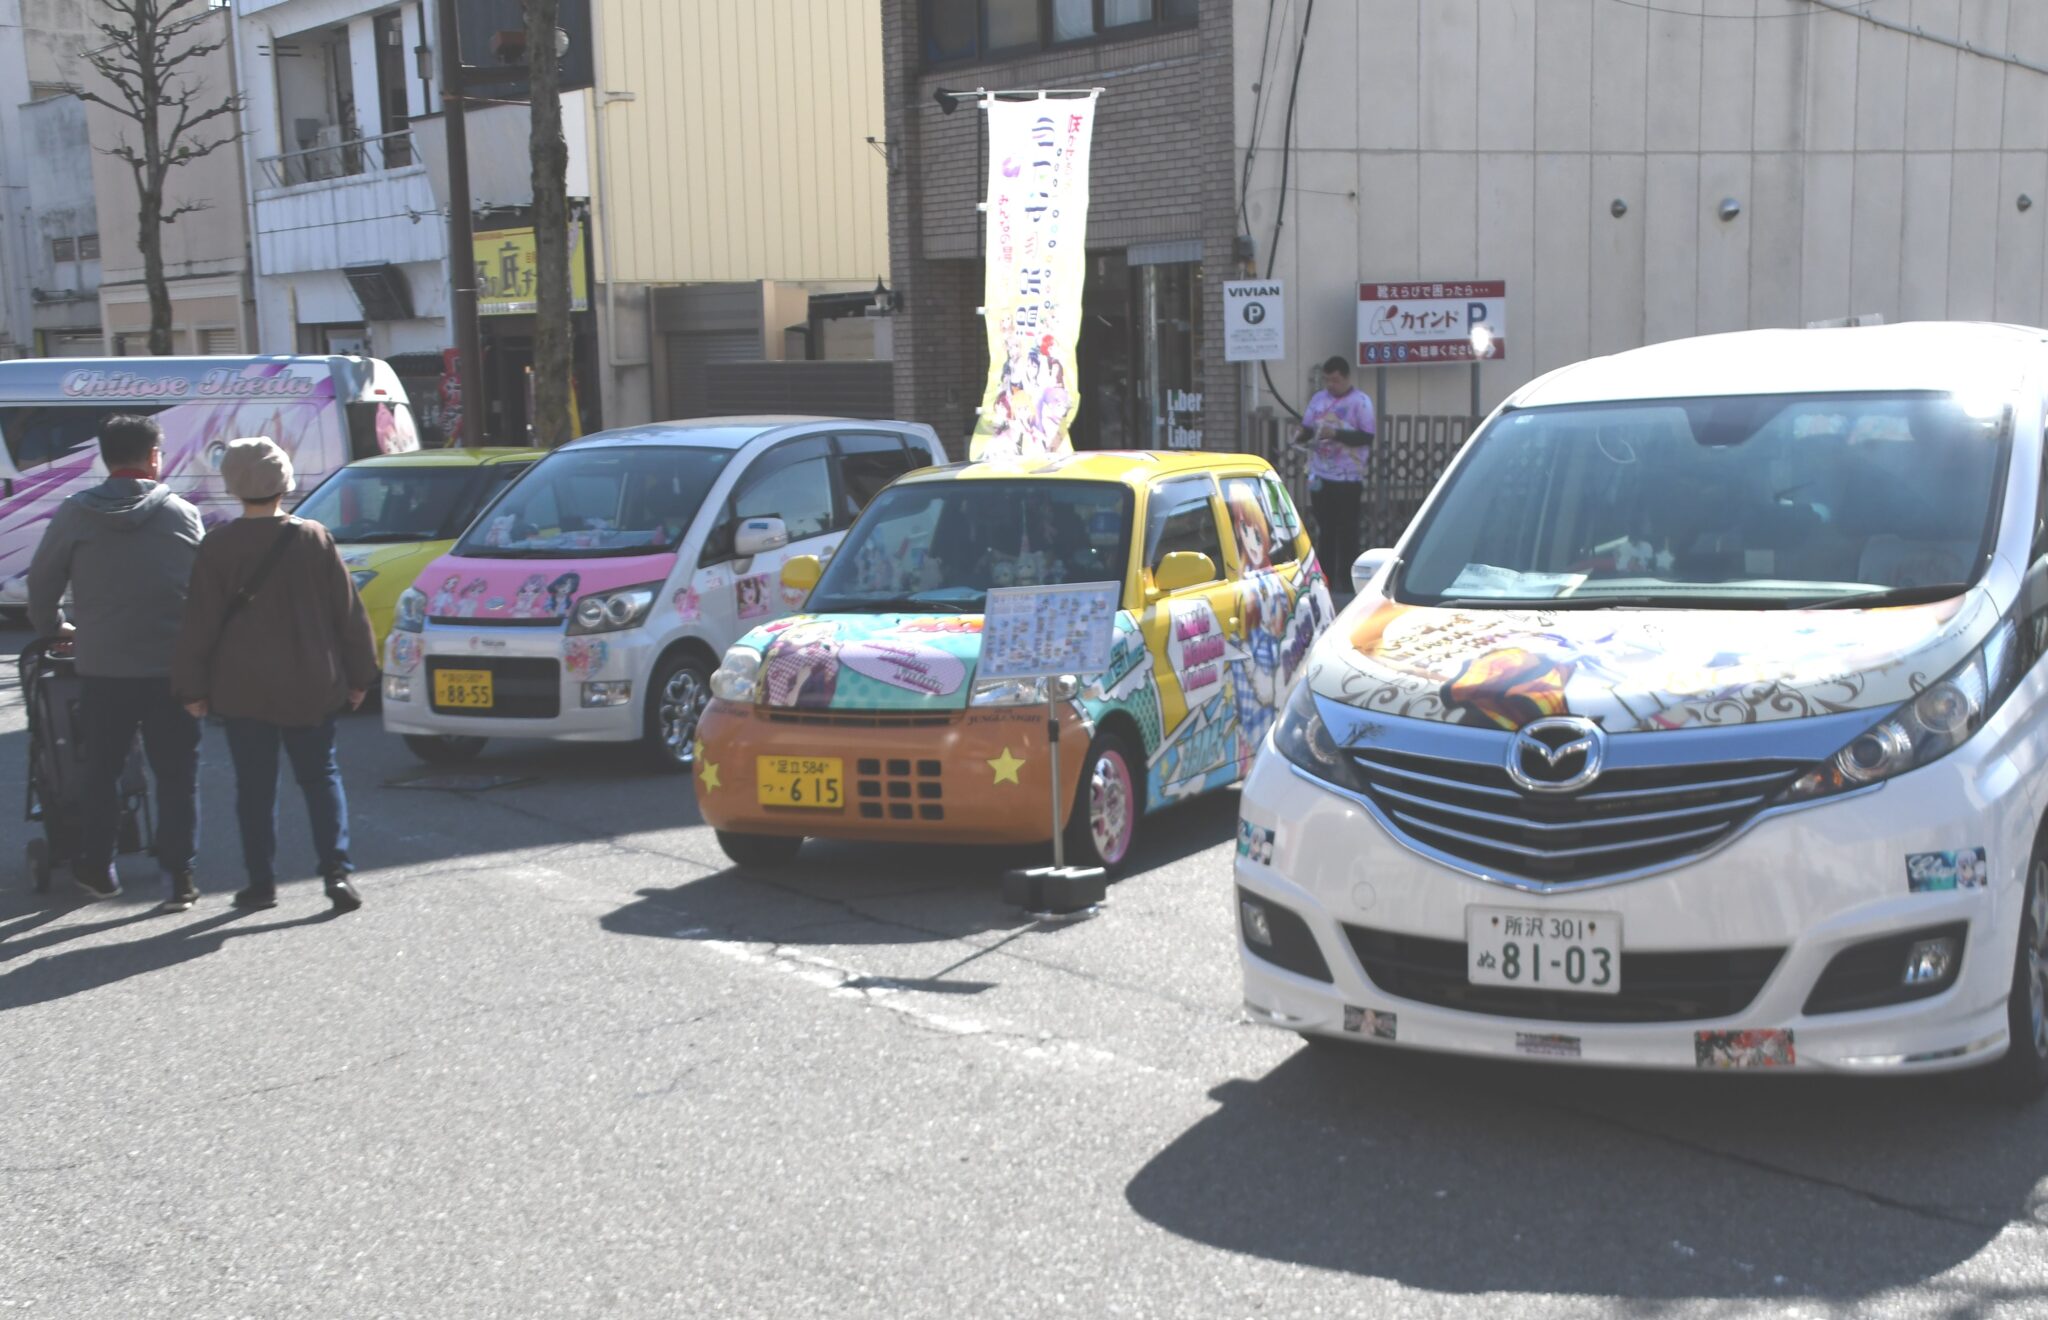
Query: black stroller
x=51, y=688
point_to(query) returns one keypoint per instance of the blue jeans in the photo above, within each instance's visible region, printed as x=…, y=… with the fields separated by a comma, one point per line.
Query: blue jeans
x=114, y=709
x=253, y=744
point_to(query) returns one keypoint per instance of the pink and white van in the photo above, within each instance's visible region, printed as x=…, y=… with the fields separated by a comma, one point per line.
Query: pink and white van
x=593, y=599
x=324, y=411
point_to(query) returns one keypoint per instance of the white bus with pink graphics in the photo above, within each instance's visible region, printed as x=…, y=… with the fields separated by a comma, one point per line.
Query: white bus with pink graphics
x=324, y=411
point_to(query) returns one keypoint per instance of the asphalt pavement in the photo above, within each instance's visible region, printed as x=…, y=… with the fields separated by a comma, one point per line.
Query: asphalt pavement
x=566, y=1062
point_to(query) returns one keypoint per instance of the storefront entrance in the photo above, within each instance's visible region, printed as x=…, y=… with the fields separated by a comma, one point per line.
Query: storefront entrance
x=1140, y=352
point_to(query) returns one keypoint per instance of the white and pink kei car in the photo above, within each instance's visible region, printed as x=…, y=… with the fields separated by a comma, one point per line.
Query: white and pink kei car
x=1699, y=720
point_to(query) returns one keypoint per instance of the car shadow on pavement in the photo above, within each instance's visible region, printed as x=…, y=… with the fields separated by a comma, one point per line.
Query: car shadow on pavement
x=1471, y=1176
x=76, y=971
x=894, y=893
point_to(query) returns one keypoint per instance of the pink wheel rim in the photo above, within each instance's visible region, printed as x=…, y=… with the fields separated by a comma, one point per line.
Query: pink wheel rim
x=1111, y=810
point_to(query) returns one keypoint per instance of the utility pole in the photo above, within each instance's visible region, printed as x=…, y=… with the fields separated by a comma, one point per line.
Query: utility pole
x=469, y=353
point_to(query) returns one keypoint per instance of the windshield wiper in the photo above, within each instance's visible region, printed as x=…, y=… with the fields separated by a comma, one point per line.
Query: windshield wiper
x=384, y=538
x=1559, y=602
x=1868, y=600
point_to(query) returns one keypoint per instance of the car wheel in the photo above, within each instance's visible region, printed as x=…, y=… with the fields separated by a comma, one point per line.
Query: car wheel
x=763, y=852
x=1108, y=806
x=2023, y=1073
x=444, y=748
x=675, y=702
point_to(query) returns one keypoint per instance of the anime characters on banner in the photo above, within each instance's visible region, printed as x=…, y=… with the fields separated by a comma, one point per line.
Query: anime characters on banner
x=1037, y=218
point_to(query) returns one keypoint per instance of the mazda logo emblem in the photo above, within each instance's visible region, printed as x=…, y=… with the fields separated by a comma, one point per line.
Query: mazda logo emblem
x=1561, y=754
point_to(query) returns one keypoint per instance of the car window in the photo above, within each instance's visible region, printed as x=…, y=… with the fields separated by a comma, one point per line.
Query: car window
x=867, y=463
x=1182, y=516
x=793, y=482
x=39, y=435
x=1262, y=532
x=366, y=505
x=630, y=500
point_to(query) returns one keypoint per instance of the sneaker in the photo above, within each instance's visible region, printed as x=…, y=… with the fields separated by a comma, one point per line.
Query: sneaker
x=184, y=892
x=100, y=887
x=257, y=897
x=343, y=894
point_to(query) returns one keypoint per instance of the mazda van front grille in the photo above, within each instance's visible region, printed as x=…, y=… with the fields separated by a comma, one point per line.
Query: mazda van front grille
x=1626, y=820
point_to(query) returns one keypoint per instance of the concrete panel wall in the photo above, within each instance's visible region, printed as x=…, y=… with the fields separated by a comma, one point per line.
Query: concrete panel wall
x=1875, y=171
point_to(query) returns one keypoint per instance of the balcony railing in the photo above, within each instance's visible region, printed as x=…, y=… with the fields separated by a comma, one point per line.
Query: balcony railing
x=339, y=159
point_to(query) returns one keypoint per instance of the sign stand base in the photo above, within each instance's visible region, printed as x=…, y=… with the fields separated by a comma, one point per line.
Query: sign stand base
x=1056, y=891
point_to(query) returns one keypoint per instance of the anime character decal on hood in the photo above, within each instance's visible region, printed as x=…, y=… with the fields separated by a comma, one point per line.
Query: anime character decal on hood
x=1643, y=670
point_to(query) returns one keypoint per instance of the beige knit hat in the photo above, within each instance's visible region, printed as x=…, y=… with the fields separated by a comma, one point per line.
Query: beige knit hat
x=257, y=470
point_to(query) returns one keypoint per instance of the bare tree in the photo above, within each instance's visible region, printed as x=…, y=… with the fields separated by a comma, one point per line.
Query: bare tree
x=552, y=337
x=145, y=76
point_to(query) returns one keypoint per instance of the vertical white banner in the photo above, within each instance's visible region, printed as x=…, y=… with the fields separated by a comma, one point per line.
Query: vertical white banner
x=1037, y=259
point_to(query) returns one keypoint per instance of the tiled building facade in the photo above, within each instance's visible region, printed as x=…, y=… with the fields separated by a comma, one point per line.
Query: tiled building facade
x=1162, y=228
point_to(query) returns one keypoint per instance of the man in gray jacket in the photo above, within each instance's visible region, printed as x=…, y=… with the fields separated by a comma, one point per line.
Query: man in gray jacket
x=125, y=549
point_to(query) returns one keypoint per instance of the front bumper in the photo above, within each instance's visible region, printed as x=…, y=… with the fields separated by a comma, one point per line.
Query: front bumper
x=540, y=673
x=1811, y=883
x=972, y=776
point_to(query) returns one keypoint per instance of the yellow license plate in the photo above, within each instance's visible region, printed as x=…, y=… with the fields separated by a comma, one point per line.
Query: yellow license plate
x=810, y=782
x=463, y=689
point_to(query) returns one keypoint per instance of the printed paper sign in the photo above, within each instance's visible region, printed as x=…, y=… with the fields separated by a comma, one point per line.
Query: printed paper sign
x=1037, y=632
x=1430, y=322
x=1037, y=216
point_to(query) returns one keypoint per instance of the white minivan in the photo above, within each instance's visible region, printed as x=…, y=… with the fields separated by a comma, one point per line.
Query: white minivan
x=593, y=599
x=1698, y=721
x=324, y=411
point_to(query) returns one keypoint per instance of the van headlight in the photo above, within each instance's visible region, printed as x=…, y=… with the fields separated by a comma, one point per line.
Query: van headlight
x=1946, y=714
x=739, y=675
x=611, y=611
x=1008, y=692
x=1303, y=738
x=412, y=611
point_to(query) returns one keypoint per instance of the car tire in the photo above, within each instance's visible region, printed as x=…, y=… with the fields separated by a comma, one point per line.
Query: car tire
x=2022, y=1075
x=675, y=702
x=1108, y=805
x=759, y=852
x=444, y=748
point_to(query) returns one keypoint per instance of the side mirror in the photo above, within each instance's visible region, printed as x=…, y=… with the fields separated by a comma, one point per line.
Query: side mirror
x=1367, y=567
x=1184, y=568
x=801, y=572
x=758, y=536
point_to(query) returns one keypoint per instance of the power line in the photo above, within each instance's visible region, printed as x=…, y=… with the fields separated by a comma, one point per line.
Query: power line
x=1287, y=160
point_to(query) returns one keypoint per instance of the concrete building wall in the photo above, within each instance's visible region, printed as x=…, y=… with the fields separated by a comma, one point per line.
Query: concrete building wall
x=65, y=292
x=206, y=254
x=1876, y=172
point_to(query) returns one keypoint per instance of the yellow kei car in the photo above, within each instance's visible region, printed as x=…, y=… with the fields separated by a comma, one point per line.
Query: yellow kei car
x=394, y=514
x=865, y=716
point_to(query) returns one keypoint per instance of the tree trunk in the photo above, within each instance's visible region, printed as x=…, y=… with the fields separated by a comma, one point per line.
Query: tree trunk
x=150, y=184
x=552, y=338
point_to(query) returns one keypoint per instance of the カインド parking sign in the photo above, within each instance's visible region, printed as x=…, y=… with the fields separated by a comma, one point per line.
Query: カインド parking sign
x=1424, y=323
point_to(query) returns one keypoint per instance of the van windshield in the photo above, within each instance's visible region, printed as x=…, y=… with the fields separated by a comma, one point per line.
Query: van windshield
x=938, y=546
x=598, y=503
x=1748, y=502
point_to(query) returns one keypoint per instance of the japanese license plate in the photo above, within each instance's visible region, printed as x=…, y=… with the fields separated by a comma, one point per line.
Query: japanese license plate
x=465, y=689
x=1535, y=949
x=810, y=782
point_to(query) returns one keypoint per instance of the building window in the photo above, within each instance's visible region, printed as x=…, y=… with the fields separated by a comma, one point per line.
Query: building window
x=63, y=249
x=89, y=248
x=957, y=30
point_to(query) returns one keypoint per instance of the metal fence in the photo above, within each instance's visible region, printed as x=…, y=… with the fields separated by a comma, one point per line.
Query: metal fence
x=333, y=158
x=1408, y=456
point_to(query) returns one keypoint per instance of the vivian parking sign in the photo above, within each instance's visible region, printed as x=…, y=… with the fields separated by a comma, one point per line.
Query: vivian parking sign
x=1254, y=321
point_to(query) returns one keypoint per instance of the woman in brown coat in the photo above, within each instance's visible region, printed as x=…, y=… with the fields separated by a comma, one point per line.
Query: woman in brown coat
x=276, y=643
